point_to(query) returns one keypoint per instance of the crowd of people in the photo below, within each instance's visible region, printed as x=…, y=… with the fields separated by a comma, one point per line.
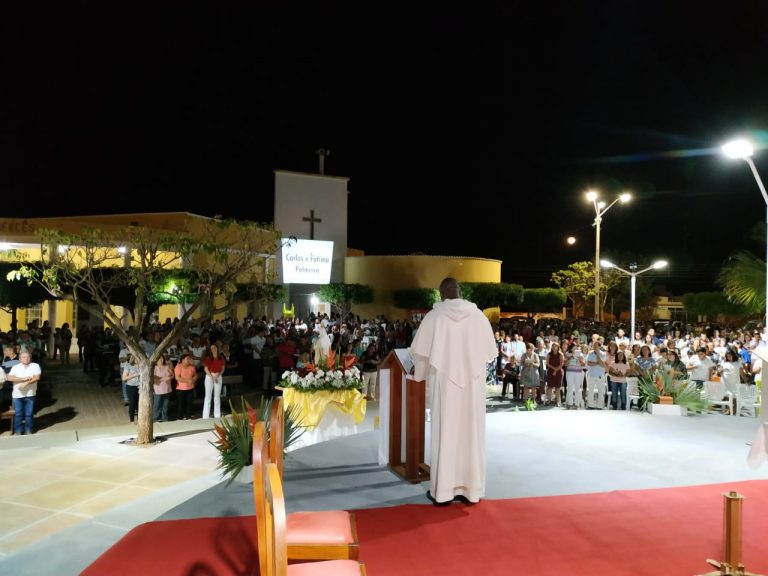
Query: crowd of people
x=545, y=361
x=540, y=362
x=254, y=351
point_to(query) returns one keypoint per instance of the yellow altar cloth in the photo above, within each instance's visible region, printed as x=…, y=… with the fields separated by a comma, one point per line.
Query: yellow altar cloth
x=313, y=405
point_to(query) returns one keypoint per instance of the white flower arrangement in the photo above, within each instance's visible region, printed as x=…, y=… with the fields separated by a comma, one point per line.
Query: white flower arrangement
x=313, y=379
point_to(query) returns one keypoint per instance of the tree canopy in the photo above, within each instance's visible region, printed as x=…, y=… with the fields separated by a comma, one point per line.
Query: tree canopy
x=131, y=266
x=492, y=294
x=543, y=300
x=342, y=296
x=578, y=281
x=415, y=298
x=15, y=293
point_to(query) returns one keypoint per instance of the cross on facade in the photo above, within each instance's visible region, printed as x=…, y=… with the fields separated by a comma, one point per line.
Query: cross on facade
x=311, y=219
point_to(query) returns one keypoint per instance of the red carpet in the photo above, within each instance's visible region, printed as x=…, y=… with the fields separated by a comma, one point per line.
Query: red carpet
x=630, y=532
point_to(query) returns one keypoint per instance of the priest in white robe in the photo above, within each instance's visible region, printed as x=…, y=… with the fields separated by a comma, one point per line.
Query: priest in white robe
x=451, y=351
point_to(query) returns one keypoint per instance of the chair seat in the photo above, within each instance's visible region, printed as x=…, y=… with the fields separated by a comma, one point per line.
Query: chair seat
x=319, y=527
x=327, y=568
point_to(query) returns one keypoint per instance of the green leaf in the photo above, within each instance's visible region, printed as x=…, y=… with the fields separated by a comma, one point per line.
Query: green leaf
x=234, y=435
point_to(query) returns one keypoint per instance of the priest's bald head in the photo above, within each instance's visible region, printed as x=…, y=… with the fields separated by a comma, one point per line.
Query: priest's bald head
x=449, y=289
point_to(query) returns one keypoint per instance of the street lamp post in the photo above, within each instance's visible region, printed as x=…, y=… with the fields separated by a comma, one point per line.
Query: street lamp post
x=743, y=149
x=600, y=209
x=633, y=273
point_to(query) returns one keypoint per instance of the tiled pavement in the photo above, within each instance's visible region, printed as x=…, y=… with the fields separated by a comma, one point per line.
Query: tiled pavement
x=77, y=466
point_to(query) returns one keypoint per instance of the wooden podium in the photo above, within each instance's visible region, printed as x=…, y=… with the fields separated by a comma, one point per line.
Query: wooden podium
x=406, y=395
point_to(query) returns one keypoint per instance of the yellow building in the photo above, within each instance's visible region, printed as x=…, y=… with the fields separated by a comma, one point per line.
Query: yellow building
x=20, y=235
x=387, y=273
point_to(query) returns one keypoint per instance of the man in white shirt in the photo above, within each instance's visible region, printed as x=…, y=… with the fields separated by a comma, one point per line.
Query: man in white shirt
x=257, y=342
x=25, y=375
x=700, y=367
x=596, y=377
x=621, y=338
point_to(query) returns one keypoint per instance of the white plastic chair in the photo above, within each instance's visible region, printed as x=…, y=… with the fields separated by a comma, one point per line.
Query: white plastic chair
x=633, y=392
x=717, y=395
x=747, y=400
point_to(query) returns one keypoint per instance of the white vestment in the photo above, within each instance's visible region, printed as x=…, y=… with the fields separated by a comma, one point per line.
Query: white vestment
x=322, y=346
x=451, y=351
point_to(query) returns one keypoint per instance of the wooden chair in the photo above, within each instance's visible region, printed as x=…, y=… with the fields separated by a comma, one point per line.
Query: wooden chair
x=276, y=550
x=276, y=432
x=313, y=535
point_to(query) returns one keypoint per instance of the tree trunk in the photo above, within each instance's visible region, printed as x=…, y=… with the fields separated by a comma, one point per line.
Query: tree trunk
x=146, y=397
x=14, y=319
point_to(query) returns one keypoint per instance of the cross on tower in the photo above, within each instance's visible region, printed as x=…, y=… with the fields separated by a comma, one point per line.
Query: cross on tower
x=311, y=219
x=322, y=153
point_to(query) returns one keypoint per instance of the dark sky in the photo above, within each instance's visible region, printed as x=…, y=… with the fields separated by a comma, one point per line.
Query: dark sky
x=512, y=110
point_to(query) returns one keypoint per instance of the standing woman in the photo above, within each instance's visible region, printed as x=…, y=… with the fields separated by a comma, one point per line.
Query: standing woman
x=214, y=365
x=555, y=362
x=542, y=351
x=529, y=375
x=730, y=370
x=574, y=376
x=162, y=385
x=131, y=380
x=618, y=370
x=610, y=358
x=186, y=376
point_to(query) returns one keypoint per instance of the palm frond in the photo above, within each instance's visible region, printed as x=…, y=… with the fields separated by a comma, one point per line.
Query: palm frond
x=660, y=383
x=293, y=428
x=234, y=435
x=649, y=392
x=743, y=280
x=689, y=397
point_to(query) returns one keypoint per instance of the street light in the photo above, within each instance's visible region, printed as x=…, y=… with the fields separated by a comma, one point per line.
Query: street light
x=743, y=149
x=600, y=209
x=633, y=273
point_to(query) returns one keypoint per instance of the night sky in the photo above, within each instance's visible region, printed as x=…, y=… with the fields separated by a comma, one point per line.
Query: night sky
x=513, y=109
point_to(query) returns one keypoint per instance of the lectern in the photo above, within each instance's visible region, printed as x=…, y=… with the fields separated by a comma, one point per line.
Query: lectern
x=402, y=438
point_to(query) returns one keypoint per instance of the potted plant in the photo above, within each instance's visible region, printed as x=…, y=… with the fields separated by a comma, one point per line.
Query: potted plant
x=234, y=437
x=654, y=386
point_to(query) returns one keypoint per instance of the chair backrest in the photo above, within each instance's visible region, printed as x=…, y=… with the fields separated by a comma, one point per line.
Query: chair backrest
x=276, y=432
x=277, y=543
x=714, y=391
x=260, y=461
x=747, y=399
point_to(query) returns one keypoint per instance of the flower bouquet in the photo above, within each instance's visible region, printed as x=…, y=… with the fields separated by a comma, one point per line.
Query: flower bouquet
x=313, y=378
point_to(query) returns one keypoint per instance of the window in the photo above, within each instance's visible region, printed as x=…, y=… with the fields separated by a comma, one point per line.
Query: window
x=33, y=313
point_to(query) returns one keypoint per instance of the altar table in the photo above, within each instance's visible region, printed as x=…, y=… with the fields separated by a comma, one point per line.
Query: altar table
x=327, y=414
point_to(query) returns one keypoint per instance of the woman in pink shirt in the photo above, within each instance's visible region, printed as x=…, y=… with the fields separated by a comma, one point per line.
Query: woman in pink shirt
x=618, y=372
x=186, y=376
x=162, y=385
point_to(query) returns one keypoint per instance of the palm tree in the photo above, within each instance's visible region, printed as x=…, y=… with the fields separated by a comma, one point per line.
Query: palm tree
x=743, y=280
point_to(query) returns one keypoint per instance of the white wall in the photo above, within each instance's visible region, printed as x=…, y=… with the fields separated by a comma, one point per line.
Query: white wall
x=296, y=193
